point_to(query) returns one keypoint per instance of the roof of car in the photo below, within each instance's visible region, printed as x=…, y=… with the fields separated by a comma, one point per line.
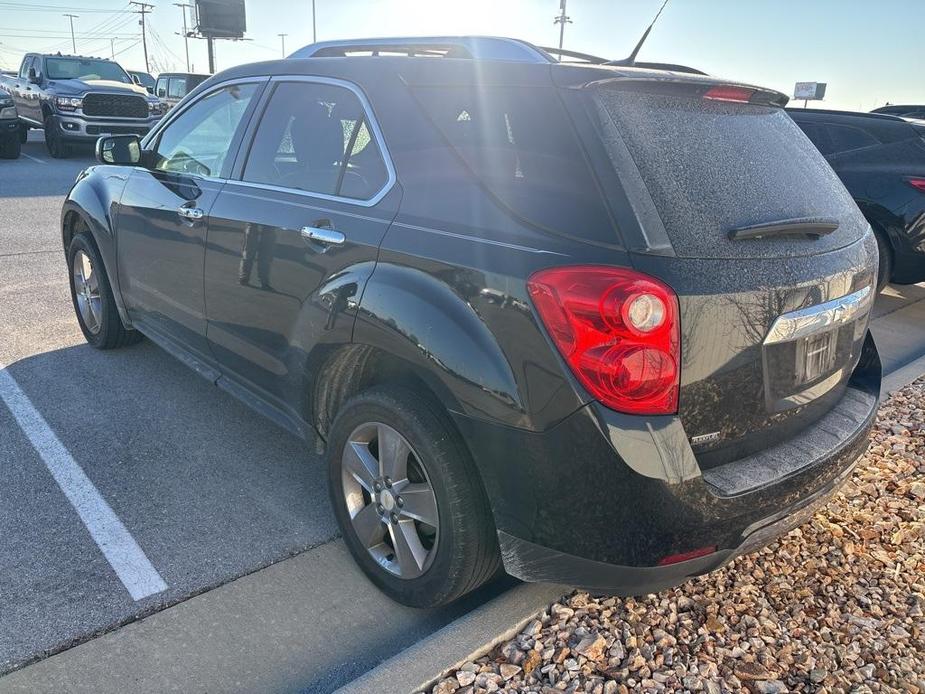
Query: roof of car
x=814, y=112
x=182, y=74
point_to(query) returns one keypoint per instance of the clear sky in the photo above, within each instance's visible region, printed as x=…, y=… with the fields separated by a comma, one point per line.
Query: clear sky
x=868, y=51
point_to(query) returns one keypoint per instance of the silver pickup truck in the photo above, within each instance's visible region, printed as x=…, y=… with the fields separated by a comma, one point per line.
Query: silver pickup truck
x=76, y=100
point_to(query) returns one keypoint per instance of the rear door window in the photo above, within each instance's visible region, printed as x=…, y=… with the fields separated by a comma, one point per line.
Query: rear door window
x=711, y=167
x=520, y=145
x=316, y=137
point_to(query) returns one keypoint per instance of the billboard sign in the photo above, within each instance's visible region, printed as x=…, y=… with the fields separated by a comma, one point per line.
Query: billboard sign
x=221, y=18
x=809, y=91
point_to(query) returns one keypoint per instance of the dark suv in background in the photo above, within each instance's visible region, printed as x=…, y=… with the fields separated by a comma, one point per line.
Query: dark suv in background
x=881, y=160
x=600, y=325
x=904, y=110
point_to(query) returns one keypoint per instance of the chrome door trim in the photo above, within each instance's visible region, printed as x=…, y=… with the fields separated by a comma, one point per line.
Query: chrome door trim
x=816, y=319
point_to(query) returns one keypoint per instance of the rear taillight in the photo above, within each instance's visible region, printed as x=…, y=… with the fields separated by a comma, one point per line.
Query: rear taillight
x=917, y=183
x=723, y=92
x=618, y=331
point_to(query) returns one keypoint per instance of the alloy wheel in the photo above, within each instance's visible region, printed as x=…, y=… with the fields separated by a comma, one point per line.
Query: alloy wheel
x=390, y=500
x=87, y=291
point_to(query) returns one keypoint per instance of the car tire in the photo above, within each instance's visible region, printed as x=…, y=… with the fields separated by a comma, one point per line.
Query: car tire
x=54, y=143
x=92, y=297
x=424, y=553
x=23, y=134
x=10, y=148
x=885, y=270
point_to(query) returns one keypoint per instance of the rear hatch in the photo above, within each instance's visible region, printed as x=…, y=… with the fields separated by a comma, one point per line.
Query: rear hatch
x=770, y=257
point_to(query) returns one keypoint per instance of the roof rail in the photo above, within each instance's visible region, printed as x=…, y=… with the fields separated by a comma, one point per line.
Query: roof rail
x=471, y=47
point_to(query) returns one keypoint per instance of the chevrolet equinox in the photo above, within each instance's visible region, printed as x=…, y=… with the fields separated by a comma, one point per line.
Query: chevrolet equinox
x=591, y=324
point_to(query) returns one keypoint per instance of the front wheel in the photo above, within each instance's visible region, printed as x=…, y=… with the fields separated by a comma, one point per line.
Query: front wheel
x=885, y=270
x=93, y=299
x=10, y=148
x=54, y=141
x=23, y=134
x=408, y=499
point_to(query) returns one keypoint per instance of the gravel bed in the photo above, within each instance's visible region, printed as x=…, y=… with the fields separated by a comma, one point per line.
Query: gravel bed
x=835, y=606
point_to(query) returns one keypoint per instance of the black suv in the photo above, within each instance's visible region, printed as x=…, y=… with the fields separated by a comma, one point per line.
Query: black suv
x=600, y=325
x=881, y=161
x=904, y=110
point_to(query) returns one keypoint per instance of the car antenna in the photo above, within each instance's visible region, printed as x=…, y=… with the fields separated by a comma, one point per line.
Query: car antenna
x=631, y=59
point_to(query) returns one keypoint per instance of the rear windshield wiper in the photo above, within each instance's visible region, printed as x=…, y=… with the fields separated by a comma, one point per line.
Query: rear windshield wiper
x=811, y=227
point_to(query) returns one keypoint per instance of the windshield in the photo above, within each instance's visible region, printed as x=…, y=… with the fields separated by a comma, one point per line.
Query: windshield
x=84, y=69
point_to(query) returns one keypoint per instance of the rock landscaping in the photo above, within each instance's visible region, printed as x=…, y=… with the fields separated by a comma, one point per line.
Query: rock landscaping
x=835, y=606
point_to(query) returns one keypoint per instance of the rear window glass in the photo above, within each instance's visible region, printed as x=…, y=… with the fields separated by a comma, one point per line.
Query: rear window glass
x=711, y=167
x=521, y=145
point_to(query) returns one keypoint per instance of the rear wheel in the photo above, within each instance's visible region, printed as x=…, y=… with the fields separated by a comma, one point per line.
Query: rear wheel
x=93, y=299
x=885, y=270
x=10, y=148
x=54, y=142
x=408, y=499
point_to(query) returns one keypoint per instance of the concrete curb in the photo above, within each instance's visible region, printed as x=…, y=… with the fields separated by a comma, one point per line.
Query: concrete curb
x=415, y=668
x=903, y=376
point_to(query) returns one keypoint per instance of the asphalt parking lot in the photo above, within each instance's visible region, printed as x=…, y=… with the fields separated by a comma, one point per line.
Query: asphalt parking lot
x=207, y=490
x=173, y=480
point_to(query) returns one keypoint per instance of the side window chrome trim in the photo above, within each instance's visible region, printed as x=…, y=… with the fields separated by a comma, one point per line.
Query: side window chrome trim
x=177, y=111
x=371, y=122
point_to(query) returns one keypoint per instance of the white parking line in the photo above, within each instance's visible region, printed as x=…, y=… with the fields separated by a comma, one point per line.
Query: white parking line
x=40, y=161
x=127, y=559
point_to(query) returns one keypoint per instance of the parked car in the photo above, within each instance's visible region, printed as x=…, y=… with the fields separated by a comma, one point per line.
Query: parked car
x=143, y=79
x=905, y=110
x=537, y=313
x=77, y=99
x=9, y=127
x=881, y=161
x=173, y=86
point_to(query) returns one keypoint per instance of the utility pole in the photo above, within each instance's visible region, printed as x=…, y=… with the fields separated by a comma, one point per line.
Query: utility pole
x=210, y=43
x=314, y=26
x=283, y=39
x=72, y=17
x=143, y=9
x=112, y=48
x=562, y=20
x=183, y=7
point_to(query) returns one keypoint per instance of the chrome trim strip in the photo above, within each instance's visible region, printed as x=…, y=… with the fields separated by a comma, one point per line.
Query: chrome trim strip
x=230, y=183
x=816, y=319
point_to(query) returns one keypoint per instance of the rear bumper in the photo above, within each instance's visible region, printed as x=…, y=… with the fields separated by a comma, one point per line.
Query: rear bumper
x=601, y=499
x=87, y=130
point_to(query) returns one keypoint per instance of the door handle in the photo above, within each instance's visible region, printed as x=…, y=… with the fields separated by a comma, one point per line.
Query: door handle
x=193, y=213
x=323, y=234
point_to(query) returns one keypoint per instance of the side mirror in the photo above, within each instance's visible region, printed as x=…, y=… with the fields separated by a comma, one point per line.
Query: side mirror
x=33, y=76
x=120, y=150
x=136, y=79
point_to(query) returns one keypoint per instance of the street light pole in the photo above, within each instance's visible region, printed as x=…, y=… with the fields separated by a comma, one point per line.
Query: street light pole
x=183, y=7
x=72, y=17
x=314, y=26
x=562, y=20
x=282, y=38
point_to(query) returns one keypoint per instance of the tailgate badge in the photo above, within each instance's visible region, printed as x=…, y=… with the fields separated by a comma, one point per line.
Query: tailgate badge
x=706, y=438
